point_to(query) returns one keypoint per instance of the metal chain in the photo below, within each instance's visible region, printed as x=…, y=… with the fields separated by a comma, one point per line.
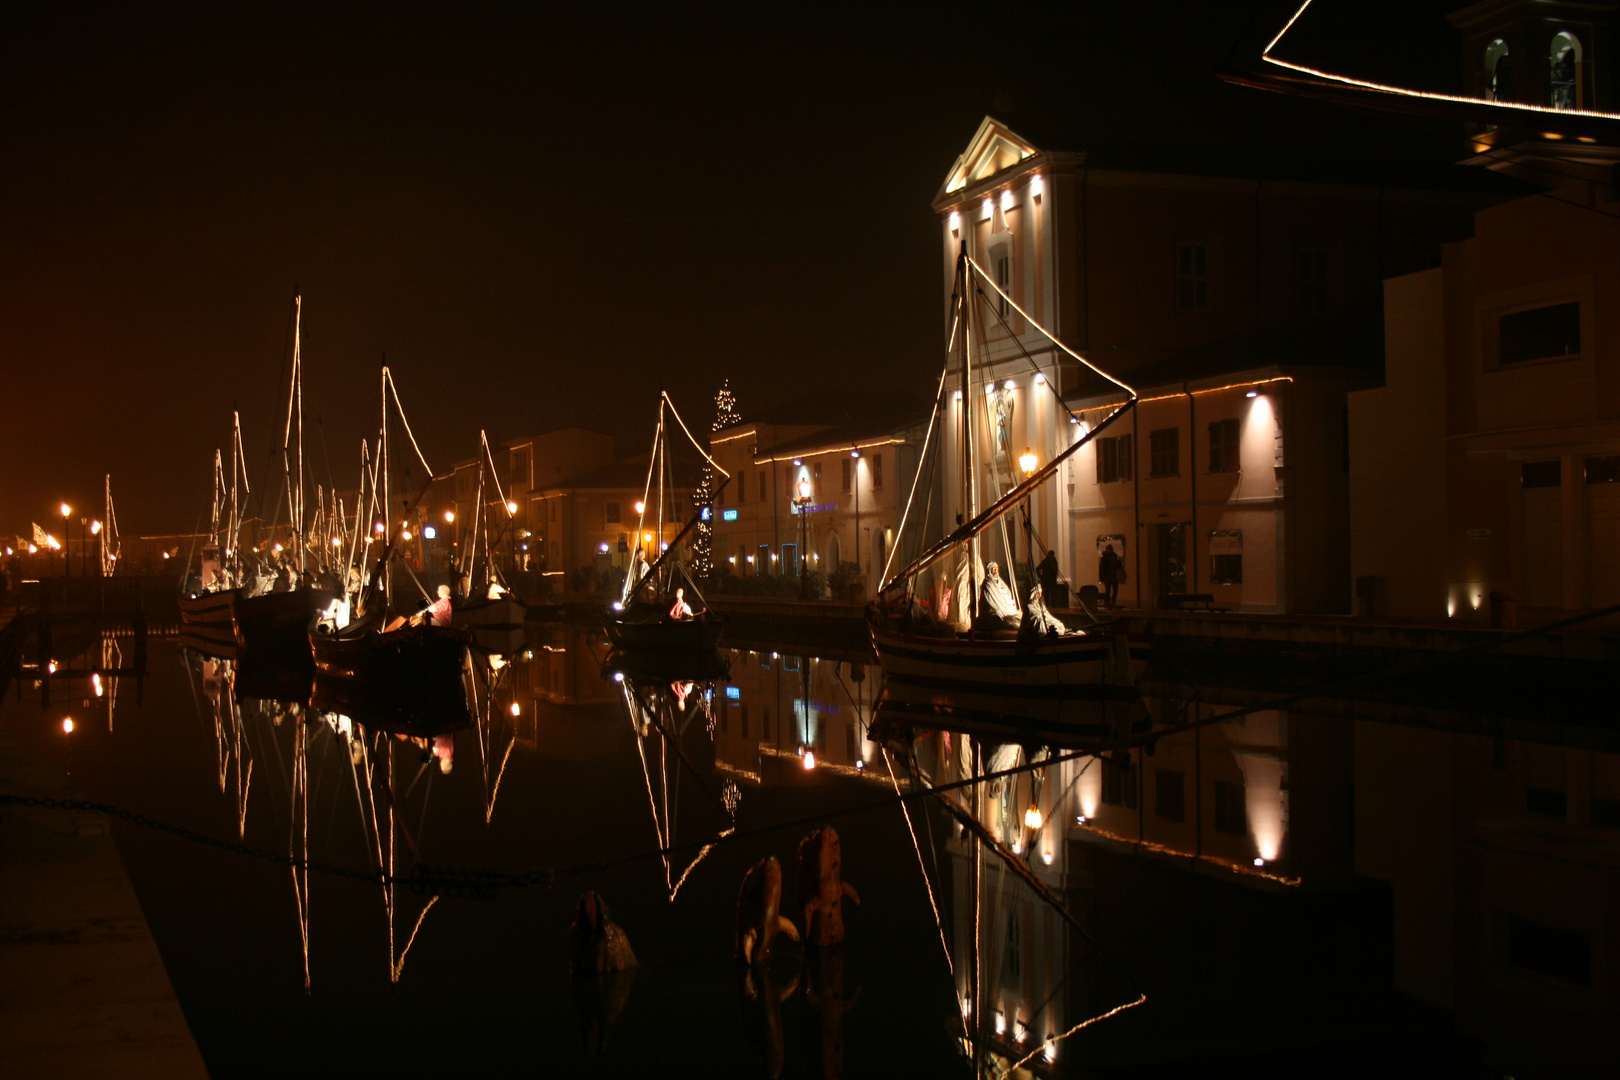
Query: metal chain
x=423, y=878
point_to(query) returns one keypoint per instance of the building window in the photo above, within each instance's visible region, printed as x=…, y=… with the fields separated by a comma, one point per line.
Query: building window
x=1118, y=784
x=1545, y=802
x=1113, y=459
x=520, y=466
x=742, y=487
x=1012, y=964
x=1312, y=280
x=1543, y=333
x=1603, y=470
x=762, y=495
x=1550, y=950
x=1497, y=71
x=815, y=479
x=1223, y=446
x=1170, y=794
x=1606, y=813
x=1164, y=452
x=1004, y=282
x=1564, y=59
x=1226, y=557
x=845, y=462
x=1230, y=814
x=743, y=717
x=612, y=513
x=1541, y=474
x=763, y=566
x=877, y=472
x=1192, y=277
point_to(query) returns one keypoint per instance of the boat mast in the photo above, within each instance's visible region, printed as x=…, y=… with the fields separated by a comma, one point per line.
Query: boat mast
x=387, y=490
x=968, y=486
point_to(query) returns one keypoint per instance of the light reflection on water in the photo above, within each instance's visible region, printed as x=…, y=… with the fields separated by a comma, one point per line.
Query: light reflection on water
x=1280, y=873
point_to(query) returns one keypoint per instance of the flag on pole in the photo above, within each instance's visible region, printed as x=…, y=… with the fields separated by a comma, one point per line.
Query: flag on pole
x=39, y=536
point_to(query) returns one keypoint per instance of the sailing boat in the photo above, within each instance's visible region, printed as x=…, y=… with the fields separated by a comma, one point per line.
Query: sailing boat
x=493, y=607
x=275, y=621
x=648, y=614
x=208, y=613
x=1018, y=644
x=407, y=669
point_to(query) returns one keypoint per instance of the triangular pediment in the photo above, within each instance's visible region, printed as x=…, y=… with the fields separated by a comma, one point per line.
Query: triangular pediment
x=994, y=147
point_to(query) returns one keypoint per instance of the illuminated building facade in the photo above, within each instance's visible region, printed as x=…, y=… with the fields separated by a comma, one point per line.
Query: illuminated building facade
x=1489, y=462
x=589, y=521
x=526, y=465
x=1184, y=271
x=857, y=477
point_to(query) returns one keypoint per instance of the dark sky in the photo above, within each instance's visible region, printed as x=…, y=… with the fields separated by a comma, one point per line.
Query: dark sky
x=540, y=214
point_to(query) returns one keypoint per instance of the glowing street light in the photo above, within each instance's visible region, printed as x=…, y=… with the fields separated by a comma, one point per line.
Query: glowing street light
x=511, y=507
x=641, y=507
x=449, y=517
x=1027, y=462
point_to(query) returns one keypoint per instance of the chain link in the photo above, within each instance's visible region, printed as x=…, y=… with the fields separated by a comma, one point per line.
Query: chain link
x=423, y=879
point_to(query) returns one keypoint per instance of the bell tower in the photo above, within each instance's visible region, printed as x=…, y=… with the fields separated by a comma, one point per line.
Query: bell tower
x=1550, y=53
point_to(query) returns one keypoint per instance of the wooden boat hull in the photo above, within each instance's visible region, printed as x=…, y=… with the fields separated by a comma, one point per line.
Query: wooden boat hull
x=278, y=623
x=1057, y=718
x=694, y=638
x=411, y=676
x=210, y=616
x=646, y=665
x=505, y=613
x=1074, y=662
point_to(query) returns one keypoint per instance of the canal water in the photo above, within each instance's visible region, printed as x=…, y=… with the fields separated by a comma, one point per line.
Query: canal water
x=1284, y=892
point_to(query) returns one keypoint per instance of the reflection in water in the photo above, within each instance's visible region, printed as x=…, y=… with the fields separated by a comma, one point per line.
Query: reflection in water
x=602, y=967
x=661, y=714
x=1286, y=872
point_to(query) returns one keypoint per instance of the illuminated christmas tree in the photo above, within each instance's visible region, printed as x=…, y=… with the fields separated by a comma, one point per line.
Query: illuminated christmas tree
x=725, y=415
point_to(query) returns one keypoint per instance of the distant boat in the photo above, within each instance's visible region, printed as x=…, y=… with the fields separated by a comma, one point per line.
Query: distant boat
x=968, y=647
x=408, y=669
x=642, y=618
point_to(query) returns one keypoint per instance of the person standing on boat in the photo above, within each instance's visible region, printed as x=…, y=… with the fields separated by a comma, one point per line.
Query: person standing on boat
x=681, y=611
x=1110, y=572
x=997, y=607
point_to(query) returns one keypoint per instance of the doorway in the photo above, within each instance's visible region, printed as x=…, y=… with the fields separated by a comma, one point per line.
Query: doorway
x=1169, y=559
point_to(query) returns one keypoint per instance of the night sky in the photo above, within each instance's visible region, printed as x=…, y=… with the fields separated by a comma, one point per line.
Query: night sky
x=539, y=214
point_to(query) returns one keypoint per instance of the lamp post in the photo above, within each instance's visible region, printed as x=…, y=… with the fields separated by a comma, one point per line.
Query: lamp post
x=1027, y=461
x=101, y=549
x=803, y=502
x=67, y=540
x=856, y=469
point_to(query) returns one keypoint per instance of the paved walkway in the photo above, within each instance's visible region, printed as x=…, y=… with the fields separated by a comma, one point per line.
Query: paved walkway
x=83, y=991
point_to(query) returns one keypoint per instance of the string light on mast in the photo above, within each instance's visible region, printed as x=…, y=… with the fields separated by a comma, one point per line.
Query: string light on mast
x=725, y=415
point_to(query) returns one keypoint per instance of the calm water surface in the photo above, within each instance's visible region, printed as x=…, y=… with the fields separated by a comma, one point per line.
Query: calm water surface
x=1290, y=892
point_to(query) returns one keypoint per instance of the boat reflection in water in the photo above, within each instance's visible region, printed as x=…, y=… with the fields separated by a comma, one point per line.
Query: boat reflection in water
x=667, y=713
x=1284, y=886
x=384, y=750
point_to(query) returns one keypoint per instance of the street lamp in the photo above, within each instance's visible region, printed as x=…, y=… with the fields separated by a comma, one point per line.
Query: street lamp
x=803, y=501
x=67, y=537
x=1027, y=461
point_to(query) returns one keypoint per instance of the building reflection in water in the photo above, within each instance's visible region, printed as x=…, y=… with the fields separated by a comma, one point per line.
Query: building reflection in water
x=1288, y=879
x=1283, y=876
